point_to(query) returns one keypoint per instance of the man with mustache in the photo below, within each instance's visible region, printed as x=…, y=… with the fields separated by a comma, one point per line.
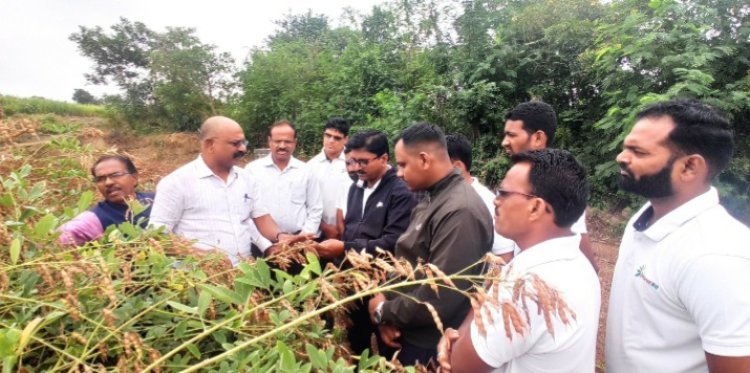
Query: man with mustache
x=531, y=126
x=679, y=300
x=287, y=186
x=116, y=179
x=212, y=201
x=377, y=214
x=329, y=167
x=450, y=228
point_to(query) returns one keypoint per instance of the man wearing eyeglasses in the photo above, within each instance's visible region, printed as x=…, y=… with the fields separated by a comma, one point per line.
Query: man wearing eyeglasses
x=287, y=186
x=213, y=202
x=377, y=214
x=539, y=199
x=116, y=178
x=329, y=168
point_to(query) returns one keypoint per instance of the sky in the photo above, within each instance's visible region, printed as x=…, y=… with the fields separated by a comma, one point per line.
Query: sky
x=38, y=59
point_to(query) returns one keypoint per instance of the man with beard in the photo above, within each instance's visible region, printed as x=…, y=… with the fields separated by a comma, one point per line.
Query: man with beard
x=679, y=301
x=329, y=167
x=450, y=228
x=287, y=186
x=531, y=126
x=377, y=214
x=212, y=201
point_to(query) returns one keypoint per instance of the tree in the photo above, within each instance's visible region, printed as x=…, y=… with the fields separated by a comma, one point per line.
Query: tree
x=82, y=96
x=168, y=80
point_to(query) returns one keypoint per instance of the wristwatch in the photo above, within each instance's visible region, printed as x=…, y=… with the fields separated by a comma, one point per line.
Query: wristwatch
x=379, y=313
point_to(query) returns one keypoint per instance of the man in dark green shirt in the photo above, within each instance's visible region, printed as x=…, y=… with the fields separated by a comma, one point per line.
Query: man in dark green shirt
x=450, y=228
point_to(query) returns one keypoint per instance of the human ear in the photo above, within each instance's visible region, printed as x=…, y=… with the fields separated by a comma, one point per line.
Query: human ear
x=694, y=166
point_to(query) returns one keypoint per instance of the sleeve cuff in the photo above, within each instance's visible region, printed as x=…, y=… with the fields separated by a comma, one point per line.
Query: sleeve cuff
x=263, y=243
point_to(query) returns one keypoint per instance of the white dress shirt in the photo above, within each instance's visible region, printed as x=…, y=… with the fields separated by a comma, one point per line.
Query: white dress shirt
x=195, y=203
x=500, y=244
x=334, y=180
x=562, y=266
x=679, y=289
x=292, y=195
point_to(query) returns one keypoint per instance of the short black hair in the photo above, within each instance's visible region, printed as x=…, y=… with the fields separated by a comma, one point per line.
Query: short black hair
x=373, y=141
x=422, y=133
x=125, y=160
x=536, y=116
x=338, y=124
x=559, y=179
x=699, y=129
x=282, y=122
x=459, y=149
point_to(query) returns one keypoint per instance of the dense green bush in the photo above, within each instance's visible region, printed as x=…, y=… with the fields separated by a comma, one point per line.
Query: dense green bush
x=38, y=105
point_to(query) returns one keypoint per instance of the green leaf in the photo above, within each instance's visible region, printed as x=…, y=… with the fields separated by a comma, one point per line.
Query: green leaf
x=223, y=294
x=44, y=226
x=287, y=361
x=317, y=357
x=313, y=263
x=15, y=250
x=85, y=200
x=204, y=300
x=182, y=307
x=37, y=190
x=194, y=350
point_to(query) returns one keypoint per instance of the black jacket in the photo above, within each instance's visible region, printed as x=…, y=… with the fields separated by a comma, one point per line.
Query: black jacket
x=386, y=215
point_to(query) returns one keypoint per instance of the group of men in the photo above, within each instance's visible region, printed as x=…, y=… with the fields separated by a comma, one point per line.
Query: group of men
x=676, y=300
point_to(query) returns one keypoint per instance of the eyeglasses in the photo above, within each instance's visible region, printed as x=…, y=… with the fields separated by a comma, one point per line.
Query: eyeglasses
x=114, y=176
x=238, y=143
x=360, y=162
x=502, y=193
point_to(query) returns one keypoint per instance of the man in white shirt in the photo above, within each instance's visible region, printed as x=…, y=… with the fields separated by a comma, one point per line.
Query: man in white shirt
x=329, y=167
x=679, y=300
x=212, y=201
x=287, y=187
x=459, y=150
x=542, y=194
x=530, y=126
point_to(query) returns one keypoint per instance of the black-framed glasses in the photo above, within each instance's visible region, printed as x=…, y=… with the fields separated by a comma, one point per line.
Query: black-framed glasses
x=113, y=176
x=361, y=162
x=503, y=193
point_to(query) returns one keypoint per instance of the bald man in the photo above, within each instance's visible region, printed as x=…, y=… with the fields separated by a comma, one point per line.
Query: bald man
x=213, y=202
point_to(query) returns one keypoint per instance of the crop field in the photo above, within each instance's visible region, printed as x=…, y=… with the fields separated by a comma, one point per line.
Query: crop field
x=135, y=301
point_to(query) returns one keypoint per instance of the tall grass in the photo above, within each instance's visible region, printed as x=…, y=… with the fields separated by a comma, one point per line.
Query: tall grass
x=38, y=105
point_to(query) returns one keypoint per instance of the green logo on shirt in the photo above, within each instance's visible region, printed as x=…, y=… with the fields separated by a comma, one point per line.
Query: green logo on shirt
x=640, y=272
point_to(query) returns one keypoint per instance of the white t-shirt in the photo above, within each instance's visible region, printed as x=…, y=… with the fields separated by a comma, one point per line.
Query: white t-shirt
x=194, y=203
x=292, y=195
x=343, y=199
x=680, y=288
x=500, y=244
x=560, y=263
x=333, y=179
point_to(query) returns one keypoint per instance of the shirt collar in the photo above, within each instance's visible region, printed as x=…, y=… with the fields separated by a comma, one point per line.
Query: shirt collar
x=675, y=218
x=267, y=161
x=202, y=170
x=556, y=249
x=443, y=183
x=324, y=157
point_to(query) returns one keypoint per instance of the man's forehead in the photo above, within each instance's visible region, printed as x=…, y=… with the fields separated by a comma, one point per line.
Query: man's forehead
x=513, y=125
x=650, y=131
x=333, y=132
x=517, y=175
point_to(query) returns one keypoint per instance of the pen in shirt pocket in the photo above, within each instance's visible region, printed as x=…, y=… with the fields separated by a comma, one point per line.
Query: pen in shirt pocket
x=246, y=197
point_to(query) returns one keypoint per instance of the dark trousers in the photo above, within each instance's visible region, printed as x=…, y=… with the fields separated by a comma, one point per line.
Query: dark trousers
x=361, y=332
x=410, y=354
